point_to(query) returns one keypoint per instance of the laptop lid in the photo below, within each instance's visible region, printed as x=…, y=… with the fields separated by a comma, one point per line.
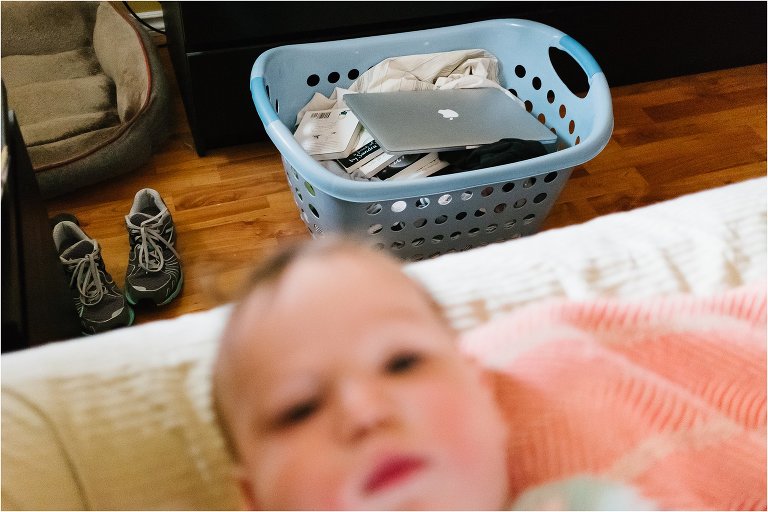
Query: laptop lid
x=406, y=122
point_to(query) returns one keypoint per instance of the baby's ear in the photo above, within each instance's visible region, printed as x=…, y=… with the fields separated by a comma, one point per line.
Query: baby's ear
x=245, y=486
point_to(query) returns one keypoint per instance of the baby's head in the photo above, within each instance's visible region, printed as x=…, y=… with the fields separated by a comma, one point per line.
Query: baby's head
x=339, y=385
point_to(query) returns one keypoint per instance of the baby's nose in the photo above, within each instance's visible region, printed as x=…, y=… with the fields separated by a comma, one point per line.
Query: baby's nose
x=364, y=406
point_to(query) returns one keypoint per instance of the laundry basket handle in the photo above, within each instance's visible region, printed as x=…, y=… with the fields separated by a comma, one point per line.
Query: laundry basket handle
x=581, y=55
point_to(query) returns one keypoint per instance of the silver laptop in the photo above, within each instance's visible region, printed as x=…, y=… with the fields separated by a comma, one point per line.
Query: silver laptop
x=443, y=120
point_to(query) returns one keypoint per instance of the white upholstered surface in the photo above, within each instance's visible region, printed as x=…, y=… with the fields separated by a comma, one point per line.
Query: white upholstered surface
x=123, y=420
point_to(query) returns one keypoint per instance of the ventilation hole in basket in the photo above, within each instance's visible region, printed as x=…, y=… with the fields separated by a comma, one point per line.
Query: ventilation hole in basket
x=296, y=175
x=491, y=228
x=563, y=111
x=528, y=218
x=539, y=198
x=379, y=247
x=434, y=255
x=417, y=257
x=461, y=215
x=277, y=106
x=536, y=83
x=314, y=211
x=445, y=199
x=553, y=130
x=417, y=242
x=519, y=71
x=513, y=91
x=466, y=196
x=353, y=73
x=542, y=119
x=397, y=245
x=266, y=87
x=441, y=219
x=420, y=223
x=437, y=239
x=398, y=206
x=473, y=231
x=398, y=226
x=455, y=235
x=333, y=77
x=528, y=105
x=549, y=178
x=551, y=96
x=500, y=208
x=578, y=141
x=479, y=212
x=520, y=203
x=373, y=209
x=510, y=224
x=571, y=126
x=309, y=188
x=313, y=80
x=569, y=71
x=529, y=182
x=487, y=191
x=508, y=186
x=422, y=202
x=298, y=194
x=375, y=228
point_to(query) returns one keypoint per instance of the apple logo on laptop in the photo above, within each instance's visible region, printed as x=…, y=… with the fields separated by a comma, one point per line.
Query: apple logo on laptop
x=448, y=113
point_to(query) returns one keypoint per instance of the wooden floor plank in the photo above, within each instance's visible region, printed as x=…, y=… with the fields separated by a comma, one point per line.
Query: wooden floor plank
x=672, y=137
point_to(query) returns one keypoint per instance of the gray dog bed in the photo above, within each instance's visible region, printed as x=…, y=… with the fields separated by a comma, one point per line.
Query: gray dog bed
x=87, y=88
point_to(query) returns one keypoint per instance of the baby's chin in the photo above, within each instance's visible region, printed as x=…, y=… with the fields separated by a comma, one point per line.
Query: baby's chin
x=411, y=497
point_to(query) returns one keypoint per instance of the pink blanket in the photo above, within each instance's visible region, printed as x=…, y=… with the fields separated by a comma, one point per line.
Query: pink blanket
x=667, y=396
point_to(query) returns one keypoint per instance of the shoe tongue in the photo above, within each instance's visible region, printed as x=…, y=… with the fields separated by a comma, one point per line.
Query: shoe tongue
x=137, y=218
x=79, y=250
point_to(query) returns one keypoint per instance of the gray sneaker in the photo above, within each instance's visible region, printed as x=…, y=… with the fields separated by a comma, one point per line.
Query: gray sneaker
x=98, y=301
x=154, y=269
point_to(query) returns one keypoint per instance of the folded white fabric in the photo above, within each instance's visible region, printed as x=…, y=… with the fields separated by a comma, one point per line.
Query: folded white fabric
x=459, y=69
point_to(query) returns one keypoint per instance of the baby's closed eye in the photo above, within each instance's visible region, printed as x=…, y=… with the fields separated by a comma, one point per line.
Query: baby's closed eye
x=297, y=413
x=403, y=362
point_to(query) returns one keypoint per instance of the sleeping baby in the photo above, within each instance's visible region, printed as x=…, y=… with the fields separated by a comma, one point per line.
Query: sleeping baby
x=340, y=385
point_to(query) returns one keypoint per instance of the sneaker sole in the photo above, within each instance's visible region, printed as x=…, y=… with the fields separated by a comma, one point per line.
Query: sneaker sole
x=175, y=293
x=131, y=318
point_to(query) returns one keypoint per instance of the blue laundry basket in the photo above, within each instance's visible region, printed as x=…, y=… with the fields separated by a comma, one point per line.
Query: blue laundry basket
x=436, y=215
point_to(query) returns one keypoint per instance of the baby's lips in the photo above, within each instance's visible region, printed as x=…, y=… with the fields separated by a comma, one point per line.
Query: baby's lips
x=392, y=470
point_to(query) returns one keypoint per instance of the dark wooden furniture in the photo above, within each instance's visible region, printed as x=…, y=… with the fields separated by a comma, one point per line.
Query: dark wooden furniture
x=213, y=45
x=36, y=303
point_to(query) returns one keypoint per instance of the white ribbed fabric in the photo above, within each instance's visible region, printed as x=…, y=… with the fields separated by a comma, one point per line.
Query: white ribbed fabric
x=123, y=420
x=700, y=243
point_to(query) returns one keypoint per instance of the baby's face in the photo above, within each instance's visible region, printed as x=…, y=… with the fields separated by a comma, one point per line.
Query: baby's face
x=349, y=392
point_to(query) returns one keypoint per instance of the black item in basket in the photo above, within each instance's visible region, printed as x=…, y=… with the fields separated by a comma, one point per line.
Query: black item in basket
x=506, y=151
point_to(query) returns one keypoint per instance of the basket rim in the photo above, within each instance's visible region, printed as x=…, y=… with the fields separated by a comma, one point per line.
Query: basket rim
x=361, y=191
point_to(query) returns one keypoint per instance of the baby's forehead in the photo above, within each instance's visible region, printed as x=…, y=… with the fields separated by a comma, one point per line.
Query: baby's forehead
x=347, y=283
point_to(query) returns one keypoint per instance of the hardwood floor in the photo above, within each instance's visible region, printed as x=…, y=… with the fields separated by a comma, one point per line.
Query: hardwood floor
x=671, y=137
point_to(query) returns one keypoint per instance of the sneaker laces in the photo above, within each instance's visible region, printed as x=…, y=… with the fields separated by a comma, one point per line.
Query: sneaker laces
x=150, y=255
x=86, y=273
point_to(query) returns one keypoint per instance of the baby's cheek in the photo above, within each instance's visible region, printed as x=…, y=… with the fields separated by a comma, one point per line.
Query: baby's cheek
x=464, y=418
x=299, y=478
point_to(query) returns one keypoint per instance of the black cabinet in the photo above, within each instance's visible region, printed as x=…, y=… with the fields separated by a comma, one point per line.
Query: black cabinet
x=36, y=303
x=213, y=45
